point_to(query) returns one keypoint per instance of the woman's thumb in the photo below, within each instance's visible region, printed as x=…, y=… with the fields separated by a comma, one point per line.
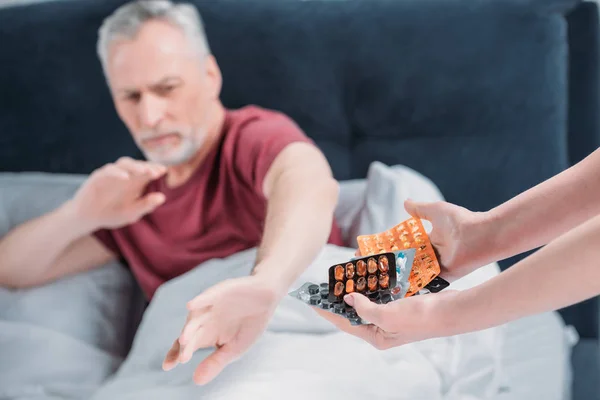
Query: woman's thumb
x=364, y=307
x=417, y=209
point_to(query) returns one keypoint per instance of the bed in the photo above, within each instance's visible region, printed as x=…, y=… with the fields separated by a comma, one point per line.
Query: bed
x=483, y=99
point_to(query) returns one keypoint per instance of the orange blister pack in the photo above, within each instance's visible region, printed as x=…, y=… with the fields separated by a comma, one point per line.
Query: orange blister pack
x=407, y=234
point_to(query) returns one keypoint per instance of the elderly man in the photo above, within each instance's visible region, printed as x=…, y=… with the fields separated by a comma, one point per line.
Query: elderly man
x=217, y=181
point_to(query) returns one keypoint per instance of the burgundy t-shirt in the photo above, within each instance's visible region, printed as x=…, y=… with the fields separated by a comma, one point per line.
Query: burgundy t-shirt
x=219, y=211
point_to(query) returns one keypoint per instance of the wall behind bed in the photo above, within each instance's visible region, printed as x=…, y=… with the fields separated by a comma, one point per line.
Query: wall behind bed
x=487, y=99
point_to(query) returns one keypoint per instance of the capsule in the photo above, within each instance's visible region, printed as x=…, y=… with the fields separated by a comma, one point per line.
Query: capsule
x=361, y=268
x=384, y=265
x=372, y=282
x=361, y=284
x=349, y=270
x=384, y=281
x=339, y=273
x=349, y=286
x=338, y=289
x=372, y=265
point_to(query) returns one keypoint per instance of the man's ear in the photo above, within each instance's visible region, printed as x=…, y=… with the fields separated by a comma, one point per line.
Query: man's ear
x=215, y=80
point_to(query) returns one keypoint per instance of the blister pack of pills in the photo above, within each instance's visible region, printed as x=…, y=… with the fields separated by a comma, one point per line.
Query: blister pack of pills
x=382, y=278
x=409, y=234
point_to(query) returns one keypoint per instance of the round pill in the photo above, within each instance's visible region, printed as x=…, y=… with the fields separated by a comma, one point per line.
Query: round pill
x=339, y=273
x=371, y=265
x=349, y=270
x=386, y=298
x=349, y=286
x=396, y=290
x=338, y=289
x=384, y=281
x=324, y=293
x=314, y=300
x=338, y=308
x=361, y=284
x=313, y=289
x=361, y=268
x=325, y=304
x=372, y=282
x=324, y=286
x=384, y=265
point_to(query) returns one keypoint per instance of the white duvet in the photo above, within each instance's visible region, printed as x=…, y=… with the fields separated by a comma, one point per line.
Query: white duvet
x=302, y=356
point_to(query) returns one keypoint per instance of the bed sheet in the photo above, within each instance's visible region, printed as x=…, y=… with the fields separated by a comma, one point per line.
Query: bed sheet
x=536, y=359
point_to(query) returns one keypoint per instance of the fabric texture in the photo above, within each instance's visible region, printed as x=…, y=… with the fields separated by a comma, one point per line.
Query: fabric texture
x=64, y=338
x=219, y=211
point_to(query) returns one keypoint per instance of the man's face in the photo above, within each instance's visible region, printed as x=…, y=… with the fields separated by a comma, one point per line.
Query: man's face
x=163, y=91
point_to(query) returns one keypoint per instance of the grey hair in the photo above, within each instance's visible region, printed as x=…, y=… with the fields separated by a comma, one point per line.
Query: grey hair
x=126, y=21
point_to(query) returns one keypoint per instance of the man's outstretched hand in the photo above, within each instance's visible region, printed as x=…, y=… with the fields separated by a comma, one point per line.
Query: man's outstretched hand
x=229, y=316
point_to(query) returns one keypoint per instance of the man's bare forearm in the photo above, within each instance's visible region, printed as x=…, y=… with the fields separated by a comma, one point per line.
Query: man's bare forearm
x=545, y=212
x=34, y=246
x=298, y=224
x=564, y=272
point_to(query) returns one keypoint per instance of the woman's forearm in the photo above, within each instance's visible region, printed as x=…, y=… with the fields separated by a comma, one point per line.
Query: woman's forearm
x=545, y=212
x=564, y=272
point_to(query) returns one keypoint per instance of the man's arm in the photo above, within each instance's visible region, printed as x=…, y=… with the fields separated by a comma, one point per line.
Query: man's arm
x=60, y=242
x=301, y=196
x=53, y=245
x=546, y=211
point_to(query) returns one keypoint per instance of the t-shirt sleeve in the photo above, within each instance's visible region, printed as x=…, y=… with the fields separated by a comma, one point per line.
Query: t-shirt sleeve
x=258, y=144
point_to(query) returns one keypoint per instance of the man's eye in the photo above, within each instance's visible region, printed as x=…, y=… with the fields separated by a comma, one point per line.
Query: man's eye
x=166, y=89
x=133, y=97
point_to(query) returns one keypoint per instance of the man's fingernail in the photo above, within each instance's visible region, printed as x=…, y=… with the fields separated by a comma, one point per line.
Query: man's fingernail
x=349, y=300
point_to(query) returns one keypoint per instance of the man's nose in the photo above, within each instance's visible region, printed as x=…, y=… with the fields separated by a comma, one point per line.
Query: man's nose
x=151, y=111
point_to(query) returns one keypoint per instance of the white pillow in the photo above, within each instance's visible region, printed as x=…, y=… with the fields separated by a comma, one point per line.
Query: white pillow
x=385, y=190
x=81, y=321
